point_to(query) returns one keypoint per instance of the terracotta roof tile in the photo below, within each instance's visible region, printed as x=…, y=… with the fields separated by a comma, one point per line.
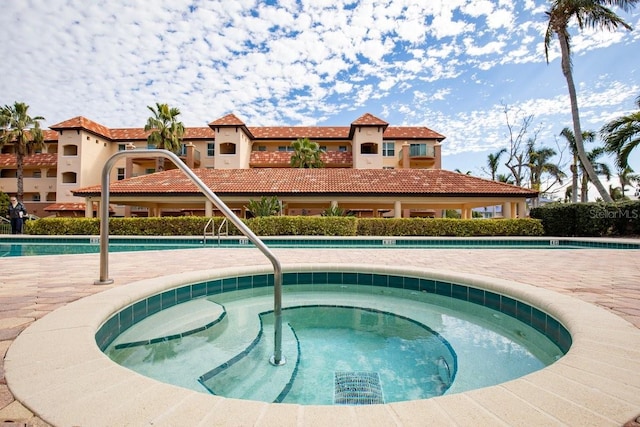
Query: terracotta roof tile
x=139, y=134
x=282, y=159
x=43, y=159
x=336, y=181
x=83, y=123
x=228, y=120
x=368, y=119
x=295, y=132
x=70, y=206
x=412, y=132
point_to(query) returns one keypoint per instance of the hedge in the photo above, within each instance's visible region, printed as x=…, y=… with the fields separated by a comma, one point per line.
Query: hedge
x=291, y=226
x=590, y=219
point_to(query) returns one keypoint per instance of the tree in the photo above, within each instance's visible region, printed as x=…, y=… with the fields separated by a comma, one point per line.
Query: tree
x=591, y=14
x=462, y=173
x=306, y=154
x=493, y=162
x=166, y=130
x=576, y=165
x=627, y=177
x=539, y=164
x=622, y=135
x=17, y=127
x=517, y=151
x=505, y=177
x=600, y=168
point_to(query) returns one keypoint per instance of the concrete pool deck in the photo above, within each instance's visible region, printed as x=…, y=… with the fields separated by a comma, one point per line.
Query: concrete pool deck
x=597, y=384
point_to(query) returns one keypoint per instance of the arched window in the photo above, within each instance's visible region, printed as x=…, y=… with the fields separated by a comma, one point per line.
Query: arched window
x=369, y=148
x=69, y=177
x=227, y=148
x=70, y=150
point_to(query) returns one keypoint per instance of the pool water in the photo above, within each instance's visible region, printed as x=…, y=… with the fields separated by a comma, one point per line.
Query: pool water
x=393, y=344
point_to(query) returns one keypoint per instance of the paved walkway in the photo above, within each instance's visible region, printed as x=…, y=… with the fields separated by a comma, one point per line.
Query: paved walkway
x=31, y=287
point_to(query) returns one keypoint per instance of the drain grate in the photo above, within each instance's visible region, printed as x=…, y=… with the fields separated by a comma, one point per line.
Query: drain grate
x=357, y=388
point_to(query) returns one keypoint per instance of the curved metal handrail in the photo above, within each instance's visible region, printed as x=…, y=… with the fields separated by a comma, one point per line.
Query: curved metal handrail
x=277, y=358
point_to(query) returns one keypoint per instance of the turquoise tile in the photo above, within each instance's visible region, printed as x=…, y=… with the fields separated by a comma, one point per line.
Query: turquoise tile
x=523, y=312
x=538, y=320
x=428, y=285
x=319, y=278
x=492, y=300
x=412, y=283
x=349, y=278
x=476, y=296
x=365, y=279
x=199, y=290
x=183, y=294
x=509, y=306
x=381, y=280
x=139, y=310
x=168, y=299
x=214, y=287
x=245, y=282
x=397, y=282
x=289, y=279
x=125, y=318
x=460, y=292
x=229, y=284
x=443, y=288
x=154, y=304
x=305, y=278
x=260, y=280
x=334, y=278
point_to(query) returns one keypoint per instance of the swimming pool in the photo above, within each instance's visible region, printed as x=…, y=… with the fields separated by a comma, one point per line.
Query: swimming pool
x=11, y=246
x=493, y=338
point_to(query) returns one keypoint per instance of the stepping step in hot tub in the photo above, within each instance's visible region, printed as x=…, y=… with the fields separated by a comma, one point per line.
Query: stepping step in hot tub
x=174, y=322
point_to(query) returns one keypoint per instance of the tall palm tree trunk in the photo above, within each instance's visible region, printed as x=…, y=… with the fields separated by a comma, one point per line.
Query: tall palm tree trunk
x=577, y=131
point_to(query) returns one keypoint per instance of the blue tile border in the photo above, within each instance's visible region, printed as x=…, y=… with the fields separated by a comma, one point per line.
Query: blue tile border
x=520, y=310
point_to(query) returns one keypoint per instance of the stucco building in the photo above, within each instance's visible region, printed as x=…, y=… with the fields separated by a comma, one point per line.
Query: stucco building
x=371, y=168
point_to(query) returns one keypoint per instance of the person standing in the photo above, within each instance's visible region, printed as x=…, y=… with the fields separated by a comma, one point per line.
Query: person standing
x=17, y=213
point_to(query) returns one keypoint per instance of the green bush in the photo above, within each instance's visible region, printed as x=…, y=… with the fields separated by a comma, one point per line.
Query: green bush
x=291, y=226
x=448, y=227
x=590, y=219
x=303, y=226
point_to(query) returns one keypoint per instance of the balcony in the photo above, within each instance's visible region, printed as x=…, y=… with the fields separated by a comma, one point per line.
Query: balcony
x=420, y=151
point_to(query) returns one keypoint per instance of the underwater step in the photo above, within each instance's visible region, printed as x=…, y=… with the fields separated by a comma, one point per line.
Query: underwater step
x=180, y=320
x=250, y=376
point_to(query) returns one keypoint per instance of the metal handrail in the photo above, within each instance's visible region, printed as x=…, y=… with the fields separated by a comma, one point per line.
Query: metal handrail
x=277, y=358
x=225, y=224
x=204, y=231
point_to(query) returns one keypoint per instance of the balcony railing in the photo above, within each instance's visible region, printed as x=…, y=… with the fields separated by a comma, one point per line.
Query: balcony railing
x=420, y=150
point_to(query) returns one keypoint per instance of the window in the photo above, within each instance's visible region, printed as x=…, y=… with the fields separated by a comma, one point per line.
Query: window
x=35, y=197
x=151, y=146
x=37, y=174
x=70, y=150
x=149, y=170
x=369, y=148
x=69, y=178
x=342, y=148
x=228, y=148
x=211, y=149
x=323, y=148
x=283, y=148
x=388, y=167
x=183, y=150
x=262, y=148
x=122, y=147
x=389, y=149
x=121, y=174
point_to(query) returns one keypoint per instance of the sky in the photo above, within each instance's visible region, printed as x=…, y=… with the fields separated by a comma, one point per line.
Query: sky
x=454, y=66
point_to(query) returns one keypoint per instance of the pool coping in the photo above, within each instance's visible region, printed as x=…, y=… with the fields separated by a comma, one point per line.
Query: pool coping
x=54, y=365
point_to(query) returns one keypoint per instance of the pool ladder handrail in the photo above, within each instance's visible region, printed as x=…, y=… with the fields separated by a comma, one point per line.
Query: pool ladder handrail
x=209, y=223
x=277, y=358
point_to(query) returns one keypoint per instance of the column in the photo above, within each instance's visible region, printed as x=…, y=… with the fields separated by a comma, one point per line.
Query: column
x=397, y=209
x=506, y=210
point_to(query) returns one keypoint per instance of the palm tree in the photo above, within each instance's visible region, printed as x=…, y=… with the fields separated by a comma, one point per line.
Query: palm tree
x=463, y=173
x=306, y=154
x=539, y=164
x=493, y=162
x=505, y=177
x=576, y=166
x=166, y=130
x=592, y=14
x=600, y=168
x=622, y=135
x=627, y=177
x=24, y=131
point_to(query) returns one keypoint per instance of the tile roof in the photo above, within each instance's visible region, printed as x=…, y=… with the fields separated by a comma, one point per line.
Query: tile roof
x=282, y=159
x=326, y=181
x=70, y=207
x=228, y=120
x=83, y=123
x=369, y=120
x=286, y=133
x=42, y=159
